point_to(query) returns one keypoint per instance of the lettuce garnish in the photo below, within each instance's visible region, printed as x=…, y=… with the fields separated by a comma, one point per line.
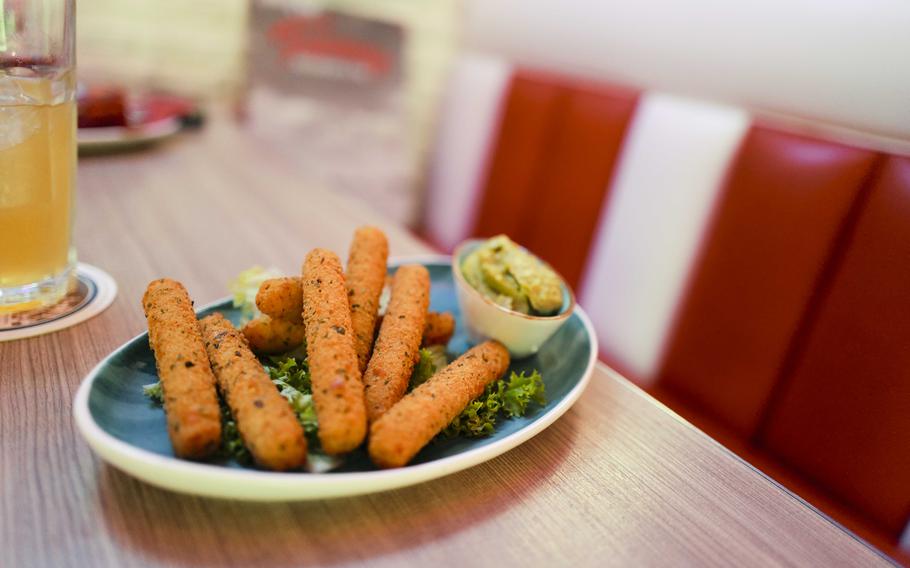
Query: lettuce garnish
x=154, y=393
x=292, y=377
x=510, y=397
x=520, y=391
x=232, y=445
x=244, y=289
x=432, y=359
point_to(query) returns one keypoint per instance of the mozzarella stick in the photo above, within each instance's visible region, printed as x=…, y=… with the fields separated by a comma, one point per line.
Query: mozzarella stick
x=397, y=348
x=365, y=278
x=409, y=425
x=439, y=329
x=264, y=418
x=281, y=298
x=335, y=374
x=271, y=336
x=190, y=401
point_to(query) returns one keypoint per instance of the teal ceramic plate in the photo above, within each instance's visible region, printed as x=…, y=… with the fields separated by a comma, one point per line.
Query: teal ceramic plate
x=128, y=432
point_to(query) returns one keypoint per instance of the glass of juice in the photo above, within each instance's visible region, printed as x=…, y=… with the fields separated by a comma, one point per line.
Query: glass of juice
x=37, y=152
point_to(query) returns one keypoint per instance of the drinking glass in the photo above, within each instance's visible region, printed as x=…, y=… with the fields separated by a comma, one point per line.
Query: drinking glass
x=37, y=152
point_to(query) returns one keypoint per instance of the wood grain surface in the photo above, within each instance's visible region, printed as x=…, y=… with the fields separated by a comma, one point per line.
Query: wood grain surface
x=619, y=480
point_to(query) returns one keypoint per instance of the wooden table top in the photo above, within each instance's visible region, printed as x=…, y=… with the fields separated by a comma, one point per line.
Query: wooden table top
x=618, y=480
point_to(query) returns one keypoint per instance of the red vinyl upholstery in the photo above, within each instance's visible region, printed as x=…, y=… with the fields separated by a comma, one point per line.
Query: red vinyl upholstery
x=550, y=170
x=528, y=111
x=791, y=341
x=784, y=202
x=843, y=414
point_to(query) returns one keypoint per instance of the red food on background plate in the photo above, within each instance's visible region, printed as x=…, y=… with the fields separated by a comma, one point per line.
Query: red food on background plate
x=102, y=106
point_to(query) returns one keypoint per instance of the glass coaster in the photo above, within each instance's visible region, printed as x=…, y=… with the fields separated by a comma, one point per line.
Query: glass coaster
x=93, y=291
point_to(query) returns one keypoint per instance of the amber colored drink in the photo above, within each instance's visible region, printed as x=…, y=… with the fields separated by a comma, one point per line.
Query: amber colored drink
x=37, y=177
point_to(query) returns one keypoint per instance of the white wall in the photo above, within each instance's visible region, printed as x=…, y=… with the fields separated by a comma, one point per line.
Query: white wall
x=844, y=62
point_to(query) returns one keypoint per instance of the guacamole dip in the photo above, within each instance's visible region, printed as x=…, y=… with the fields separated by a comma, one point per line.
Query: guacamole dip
x=513, y=277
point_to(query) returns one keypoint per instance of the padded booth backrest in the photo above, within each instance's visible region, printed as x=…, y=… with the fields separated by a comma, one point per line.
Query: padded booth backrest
x=553, y=135
x=842, y=412
x=774, y=228
x=725, y=185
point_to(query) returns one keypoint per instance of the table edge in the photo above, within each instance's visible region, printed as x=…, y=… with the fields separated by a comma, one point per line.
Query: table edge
x=617, y=377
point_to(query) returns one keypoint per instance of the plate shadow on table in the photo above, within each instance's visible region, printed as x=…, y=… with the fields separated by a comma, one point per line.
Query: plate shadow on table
x=176, y=529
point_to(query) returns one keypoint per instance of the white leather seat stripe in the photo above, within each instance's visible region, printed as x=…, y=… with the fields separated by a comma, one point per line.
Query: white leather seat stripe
x=469, y=122
x=672, y=164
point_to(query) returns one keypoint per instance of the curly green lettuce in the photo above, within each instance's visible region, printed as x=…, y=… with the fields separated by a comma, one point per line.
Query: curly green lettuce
x=510, y=398
x=521, y=391
x=292, y=377
x=232, y=445
x=154, y=393
x=475, y=421
x=505, y=397
x=432, y=359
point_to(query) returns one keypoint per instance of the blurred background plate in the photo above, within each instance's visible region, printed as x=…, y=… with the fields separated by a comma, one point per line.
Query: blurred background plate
x=113, y=119
x=108, y=139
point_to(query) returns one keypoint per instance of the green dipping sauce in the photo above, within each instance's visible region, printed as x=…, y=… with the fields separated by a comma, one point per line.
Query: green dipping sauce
x=513, y=278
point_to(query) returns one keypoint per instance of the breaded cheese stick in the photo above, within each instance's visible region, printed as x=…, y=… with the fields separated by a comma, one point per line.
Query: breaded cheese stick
x=281, y=298
x=187, y=382
x=398, y=345
x=365, y=278
x=270, y=336
x=409, y=425
x=337, y=386
x=439, y=329
x=264, y=418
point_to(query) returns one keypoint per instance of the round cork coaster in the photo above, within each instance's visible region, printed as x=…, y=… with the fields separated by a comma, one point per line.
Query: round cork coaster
x=93, y=291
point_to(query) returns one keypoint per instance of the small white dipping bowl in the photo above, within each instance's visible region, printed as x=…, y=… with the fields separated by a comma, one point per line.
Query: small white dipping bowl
x=522, y=334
